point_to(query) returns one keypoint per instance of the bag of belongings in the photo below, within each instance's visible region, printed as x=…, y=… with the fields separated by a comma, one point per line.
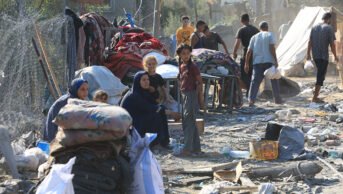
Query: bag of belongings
x=98, y=140
x=272, y=73
x=79, y=114
x=59, y=180
x=147, y=172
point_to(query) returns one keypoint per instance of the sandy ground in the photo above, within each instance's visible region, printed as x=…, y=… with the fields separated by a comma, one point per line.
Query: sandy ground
x=222, y=128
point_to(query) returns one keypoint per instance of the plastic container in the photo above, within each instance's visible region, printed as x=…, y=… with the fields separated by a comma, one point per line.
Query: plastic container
x=264, y=150
x=44, y=146
x=239, y=154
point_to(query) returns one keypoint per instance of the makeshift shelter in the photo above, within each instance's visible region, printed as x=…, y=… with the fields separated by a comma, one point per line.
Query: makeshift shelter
x=100, y=78
x=292, y=50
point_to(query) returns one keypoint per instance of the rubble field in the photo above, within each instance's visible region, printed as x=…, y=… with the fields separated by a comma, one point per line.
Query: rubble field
x=239, y=129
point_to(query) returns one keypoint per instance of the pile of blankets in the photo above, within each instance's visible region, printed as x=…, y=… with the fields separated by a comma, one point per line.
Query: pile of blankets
x=128, y=52
x=96, y=134
x=213, y=62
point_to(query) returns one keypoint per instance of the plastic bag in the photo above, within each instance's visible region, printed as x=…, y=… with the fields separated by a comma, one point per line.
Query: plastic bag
x=40, y=154
x=309, y=67
x=27, y=162
x=147, y=178
x=272, y=73
x=59, y=180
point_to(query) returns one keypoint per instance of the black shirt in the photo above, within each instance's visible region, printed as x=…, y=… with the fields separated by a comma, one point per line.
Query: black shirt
x=245, y=33
x=156, y=81
x=212, y=41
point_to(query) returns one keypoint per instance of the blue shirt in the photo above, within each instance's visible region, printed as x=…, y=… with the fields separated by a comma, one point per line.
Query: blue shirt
x=260, y=45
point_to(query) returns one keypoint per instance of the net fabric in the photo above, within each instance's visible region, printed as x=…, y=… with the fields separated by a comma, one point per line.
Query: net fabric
x=22, y=81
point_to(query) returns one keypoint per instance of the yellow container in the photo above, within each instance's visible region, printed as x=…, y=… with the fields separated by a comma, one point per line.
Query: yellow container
x=264, y=150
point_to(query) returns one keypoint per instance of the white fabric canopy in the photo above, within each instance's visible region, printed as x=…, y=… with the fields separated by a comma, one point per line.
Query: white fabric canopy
x=293, y=48
x=99, y=77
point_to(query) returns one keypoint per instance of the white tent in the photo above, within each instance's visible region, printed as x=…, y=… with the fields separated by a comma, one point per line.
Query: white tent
x=293, y=49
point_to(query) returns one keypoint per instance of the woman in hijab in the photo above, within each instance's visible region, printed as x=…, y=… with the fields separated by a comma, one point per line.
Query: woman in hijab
x=148, y=116
x=78, y=89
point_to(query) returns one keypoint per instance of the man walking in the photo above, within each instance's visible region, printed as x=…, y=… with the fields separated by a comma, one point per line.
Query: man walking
x=262, y=47
x=243, y=36
x=183, y=34
x=210, y=40
x=322, y=35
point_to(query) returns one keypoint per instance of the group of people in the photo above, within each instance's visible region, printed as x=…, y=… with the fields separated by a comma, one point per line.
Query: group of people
x=143, y=100
x=202, y=37
x=258, y=51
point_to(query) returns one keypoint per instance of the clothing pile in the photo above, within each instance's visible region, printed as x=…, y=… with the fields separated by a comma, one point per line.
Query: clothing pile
x=220, y=64
x=96, y=134
x=92, y=36
x=127, y=54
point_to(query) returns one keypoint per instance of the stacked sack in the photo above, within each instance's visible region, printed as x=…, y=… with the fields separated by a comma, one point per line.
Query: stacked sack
x=96, y=134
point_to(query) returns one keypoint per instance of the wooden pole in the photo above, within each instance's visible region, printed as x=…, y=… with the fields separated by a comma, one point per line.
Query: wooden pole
x=156, y=24
x=195, y=9
x=47, y=60
x=44, y=70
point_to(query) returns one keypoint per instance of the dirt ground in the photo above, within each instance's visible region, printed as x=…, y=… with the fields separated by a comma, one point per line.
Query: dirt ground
x=222, y=128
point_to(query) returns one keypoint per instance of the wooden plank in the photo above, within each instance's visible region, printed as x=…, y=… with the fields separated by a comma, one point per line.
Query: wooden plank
x=189, y=181
x=245, y=180
x=238, y=188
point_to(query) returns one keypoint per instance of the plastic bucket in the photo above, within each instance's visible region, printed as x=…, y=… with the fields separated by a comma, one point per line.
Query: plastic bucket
x=44, y=146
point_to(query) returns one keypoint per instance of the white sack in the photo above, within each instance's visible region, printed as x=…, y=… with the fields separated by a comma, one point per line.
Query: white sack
x=309, y=67
x=59, y=180
x=147, y=178
x=27, y=162
x=40, y=154
x=272, y=73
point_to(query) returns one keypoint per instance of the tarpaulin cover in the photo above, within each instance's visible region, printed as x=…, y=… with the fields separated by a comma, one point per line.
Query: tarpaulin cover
x=293, y=49
x=99, y=77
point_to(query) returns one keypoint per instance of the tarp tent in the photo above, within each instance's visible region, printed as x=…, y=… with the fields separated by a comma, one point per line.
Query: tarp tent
x=292, y=50
x=100, y=78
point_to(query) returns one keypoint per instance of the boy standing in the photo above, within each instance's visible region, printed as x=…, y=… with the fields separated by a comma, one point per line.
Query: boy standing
x=183, y=34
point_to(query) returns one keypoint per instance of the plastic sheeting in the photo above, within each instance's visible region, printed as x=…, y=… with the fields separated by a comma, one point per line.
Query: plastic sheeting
x=292, y=50
x=159, y=57
x=167, y=71
x=99, y=77
x=291, y=143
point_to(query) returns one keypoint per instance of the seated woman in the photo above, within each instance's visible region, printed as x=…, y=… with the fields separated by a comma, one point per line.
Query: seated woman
x=78, y=89
x=148, y=116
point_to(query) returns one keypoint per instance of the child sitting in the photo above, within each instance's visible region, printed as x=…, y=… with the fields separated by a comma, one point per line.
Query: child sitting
x=156, y=81
x=100, y=96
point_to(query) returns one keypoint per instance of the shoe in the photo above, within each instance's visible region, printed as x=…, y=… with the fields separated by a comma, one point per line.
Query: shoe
x=252, y=105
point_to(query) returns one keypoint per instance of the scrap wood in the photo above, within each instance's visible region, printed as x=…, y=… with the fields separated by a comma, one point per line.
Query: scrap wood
x=331, y=167
x=189, y=181
x=306, y=169
x=245, y=180
x=239, y=170
x=204, y=169
x=238, y=188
